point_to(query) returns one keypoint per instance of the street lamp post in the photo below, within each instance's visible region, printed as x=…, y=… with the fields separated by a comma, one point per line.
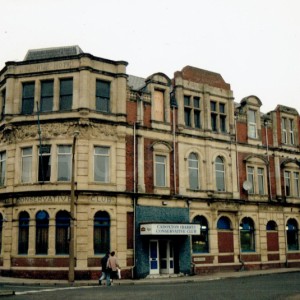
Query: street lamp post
x=71, y=275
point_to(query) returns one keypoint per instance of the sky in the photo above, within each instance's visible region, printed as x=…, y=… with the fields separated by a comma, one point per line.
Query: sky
x=253, y=44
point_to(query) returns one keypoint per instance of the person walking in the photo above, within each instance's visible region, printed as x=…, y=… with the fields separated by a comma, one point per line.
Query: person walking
x=112, y=268
x=104, y=267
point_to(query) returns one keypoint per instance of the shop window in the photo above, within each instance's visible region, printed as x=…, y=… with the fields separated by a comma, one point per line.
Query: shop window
x=252, y=127
x=160, y=170
x=44, y=163
x=46, y=103
x=42, y=232
x=102, y=96
x=101, y=164
x=64, y=166
x=159, y=106
x=200, y=242
x=247, y=235
x=23, y=239
x=193, y=162
x=220, y=174
x=292, y=235
x=62, y=232
x=26, y=165
x=66, y=94
x=2, y=167
x=101, y=232
x=224, y=223
x=218, y=116
x=28, y=98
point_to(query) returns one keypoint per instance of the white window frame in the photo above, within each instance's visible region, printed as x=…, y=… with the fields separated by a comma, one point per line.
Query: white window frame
x=252, y=123
x=107, y=157
x=157, y=165
x=26, y=165
x=64, y=156
x=2, y=168
x=193, y=168
x=258, y=178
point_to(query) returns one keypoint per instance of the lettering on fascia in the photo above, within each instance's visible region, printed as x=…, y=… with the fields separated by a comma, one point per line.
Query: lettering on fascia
x=103, y=199
x=44, y=199
x=58, y=65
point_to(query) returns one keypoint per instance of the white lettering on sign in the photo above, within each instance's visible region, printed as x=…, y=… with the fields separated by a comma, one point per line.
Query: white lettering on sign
x=170, y=229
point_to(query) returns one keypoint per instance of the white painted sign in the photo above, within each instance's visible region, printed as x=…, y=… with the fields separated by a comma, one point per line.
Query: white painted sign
x=169, y=229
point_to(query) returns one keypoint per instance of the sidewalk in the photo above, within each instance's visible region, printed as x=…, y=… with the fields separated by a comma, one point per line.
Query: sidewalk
x=159, y=279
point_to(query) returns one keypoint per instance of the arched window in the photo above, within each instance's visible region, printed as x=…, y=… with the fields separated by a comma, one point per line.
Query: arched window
x=1, y=229
x=247, y=236
x=271, y=226
x=220, y=174
x=292, y=235
x=272, y=238
x=62, y=232
x=193, y=171
x=23, y=233
x=42, y=230
x=101, y=232
x=224, y=223
x=200, y=242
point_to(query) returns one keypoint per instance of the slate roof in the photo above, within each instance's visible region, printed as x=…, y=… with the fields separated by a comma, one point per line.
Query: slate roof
x=136, y=83
x=54, y=52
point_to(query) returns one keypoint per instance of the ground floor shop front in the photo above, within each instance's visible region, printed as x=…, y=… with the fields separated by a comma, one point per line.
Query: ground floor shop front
x=150, y=238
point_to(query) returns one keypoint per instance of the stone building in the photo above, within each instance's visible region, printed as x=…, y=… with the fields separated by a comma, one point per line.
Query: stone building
x=171, y=173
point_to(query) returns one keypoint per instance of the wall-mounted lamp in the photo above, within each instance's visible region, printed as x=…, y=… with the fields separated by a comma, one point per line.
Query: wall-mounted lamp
x=164, y=203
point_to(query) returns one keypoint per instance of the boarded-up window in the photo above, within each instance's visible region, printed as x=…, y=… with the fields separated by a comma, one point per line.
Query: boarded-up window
x=129, y=230
x=158, y=106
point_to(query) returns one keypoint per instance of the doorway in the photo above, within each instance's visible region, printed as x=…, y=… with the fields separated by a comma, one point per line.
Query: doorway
x=161, y=257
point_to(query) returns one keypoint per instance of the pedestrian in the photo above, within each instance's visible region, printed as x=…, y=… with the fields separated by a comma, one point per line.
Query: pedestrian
x=104, y=267
x=112, y=267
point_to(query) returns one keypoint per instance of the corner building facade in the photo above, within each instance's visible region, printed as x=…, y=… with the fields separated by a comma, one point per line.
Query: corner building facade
x=171, y=173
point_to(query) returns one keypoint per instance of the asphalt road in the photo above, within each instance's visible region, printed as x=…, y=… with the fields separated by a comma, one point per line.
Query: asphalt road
x=276, y=286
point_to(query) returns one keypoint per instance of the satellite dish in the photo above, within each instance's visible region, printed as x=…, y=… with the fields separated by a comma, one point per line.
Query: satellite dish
x=247, y=185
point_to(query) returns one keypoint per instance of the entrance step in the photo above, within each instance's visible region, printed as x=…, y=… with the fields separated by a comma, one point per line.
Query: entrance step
x=155, y=276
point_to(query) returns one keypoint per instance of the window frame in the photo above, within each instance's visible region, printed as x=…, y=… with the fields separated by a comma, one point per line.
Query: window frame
x=192, y=111
x=23, y=233
x=103, y=96
x=64, y=158
x=44, y=165
x=107, y=164
x=62, y=232
x=26, y=165
x=247, y=235
x=192, y=169
x=27, y=107
x=101, y=227
x=200, y=243
x=220, y=172
x=2, y=168
x=42, y=232
x=218, y=116
x=157, y=168
x=252, y=123
x=258, y=178
x=47, y=95
x=65, y=94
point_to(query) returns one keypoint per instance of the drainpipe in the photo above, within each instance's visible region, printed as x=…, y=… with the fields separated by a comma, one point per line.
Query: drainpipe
x=174, y=151
x=269, y=172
